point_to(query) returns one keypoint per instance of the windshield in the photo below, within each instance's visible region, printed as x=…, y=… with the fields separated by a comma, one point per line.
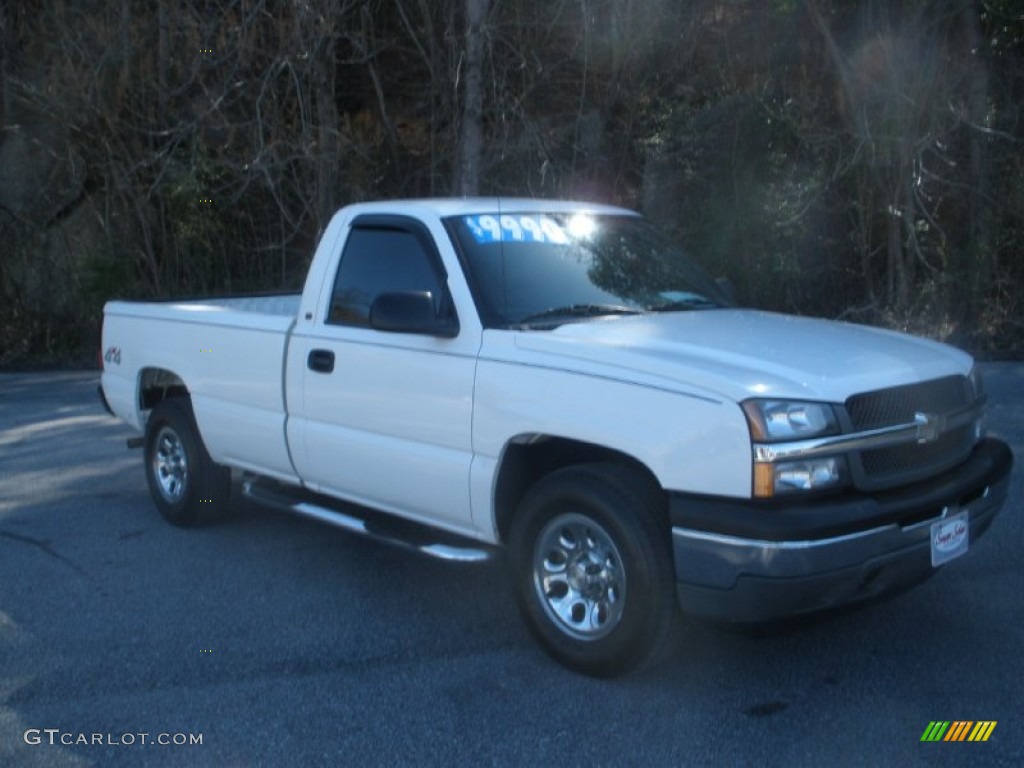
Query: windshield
x=547, y=269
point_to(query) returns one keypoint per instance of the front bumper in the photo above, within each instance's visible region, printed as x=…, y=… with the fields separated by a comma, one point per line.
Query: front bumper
x=757, y=561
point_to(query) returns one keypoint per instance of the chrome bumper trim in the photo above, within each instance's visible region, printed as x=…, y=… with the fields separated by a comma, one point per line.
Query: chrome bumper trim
x=883, y=437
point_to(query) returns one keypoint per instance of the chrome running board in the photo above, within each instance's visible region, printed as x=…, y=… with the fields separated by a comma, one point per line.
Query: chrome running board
x=375, y=525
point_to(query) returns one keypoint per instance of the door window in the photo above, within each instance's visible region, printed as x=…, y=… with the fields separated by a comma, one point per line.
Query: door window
x=380, y=260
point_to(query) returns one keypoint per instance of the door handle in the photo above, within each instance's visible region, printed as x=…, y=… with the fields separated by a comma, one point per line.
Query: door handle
x=321, y=360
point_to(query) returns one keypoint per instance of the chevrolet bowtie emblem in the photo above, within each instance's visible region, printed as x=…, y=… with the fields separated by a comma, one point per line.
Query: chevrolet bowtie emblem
x=929, y=426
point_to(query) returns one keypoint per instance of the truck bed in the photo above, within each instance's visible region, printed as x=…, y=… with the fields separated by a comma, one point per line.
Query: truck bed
x=220, y=310
x=277, y=304
x=230, y=350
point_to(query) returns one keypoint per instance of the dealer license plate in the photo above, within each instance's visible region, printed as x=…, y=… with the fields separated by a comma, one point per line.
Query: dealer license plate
x=950, y=538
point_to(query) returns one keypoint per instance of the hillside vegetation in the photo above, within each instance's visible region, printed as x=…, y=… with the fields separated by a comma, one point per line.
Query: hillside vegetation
x=858, y=160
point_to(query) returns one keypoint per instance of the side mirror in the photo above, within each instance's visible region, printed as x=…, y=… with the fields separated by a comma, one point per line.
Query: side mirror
x=411, y=312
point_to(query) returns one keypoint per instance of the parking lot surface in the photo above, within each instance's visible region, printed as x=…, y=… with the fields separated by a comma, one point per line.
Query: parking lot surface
x=279, y=641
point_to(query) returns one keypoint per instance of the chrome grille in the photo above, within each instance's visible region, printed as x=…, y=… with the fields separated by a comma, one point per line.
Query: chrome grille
x=886, y=407
x=909, y=456
x=905, y=463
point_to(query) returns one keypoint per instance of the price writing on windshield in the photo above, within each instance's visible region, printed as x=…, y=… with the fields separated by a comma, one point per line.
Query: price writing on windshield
x=492, y=228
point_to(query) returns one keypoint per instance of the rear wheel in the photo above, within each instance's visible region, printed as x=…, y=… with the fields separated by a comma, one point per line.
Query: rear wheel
x=187, y=486
x=591, y=556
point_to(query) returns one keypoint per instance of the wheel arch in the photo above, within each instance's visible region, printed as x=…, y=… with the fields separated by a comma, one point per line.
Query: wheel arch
x=156, y=385
x=528, y=458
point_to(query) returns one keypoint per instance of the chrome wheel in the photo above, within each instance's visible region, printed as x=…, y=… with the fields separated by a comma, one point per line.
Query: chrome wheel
x=579, y=577
x=170, y=465
x=187, y=486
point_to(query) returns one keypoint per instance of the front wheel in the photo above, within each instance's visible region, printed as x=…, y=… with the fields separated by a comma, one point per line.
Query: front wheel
x=187, y=486
x=590, y=552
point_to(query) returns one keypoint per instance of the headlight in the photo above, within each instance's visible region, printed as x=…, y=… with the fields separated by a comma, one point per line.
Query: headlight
x=772, y=420
x=794, y=476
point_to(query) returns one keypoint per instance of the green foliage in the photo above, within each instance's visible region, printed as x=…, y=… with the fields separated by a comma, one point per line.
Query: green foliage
x=106, y=275
x=197, y=225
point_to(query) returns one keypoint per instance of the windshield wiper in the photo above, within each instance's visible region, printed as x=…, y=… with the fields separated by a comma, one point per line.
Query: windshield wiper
x=683, y=304
x=579, y=310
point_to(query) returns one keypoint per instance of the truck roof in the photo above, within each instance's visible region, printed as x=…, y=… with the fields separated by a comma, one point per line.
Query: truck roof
x=455, y=206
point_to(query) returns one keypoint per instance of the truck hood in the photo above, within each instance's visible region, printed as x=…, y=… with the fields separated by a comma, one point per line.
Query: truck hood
x=737, y=354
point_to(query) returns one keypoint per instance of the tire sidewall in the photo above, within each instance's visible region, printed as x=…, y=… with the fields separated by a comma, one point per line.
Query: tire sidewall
x=176, y=416
x=612, y=503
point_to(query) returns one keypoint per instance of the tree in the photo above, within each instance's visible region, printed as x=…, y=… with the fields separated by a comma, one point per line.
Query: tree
x=471, y=139
x=201, y=147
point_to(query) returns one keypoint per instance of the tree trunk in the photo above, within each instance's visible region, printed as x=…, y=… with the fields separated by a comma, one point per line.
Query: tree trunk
x=327, y=134
x=894, y=253
x=470, y=148
x=978, y=261
x=6, y=33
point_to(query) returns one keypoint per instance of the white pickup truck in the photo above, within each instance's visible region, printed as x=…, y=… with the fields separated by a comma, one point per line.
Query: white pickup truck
x=557, y=380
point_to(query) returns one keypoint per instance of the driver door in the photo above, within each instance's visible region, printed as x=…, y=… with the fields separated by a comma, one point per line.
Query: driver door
x=385, y=417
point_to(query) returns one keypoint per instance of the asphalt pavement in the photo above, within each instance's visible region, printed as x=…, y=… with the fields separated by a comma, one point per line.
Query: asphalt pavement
x=270, y=640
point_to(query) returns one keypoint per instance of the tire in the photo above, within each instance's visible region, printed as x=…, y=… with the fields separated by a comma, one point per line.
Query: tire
x=187, y=487
x=590, y=552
